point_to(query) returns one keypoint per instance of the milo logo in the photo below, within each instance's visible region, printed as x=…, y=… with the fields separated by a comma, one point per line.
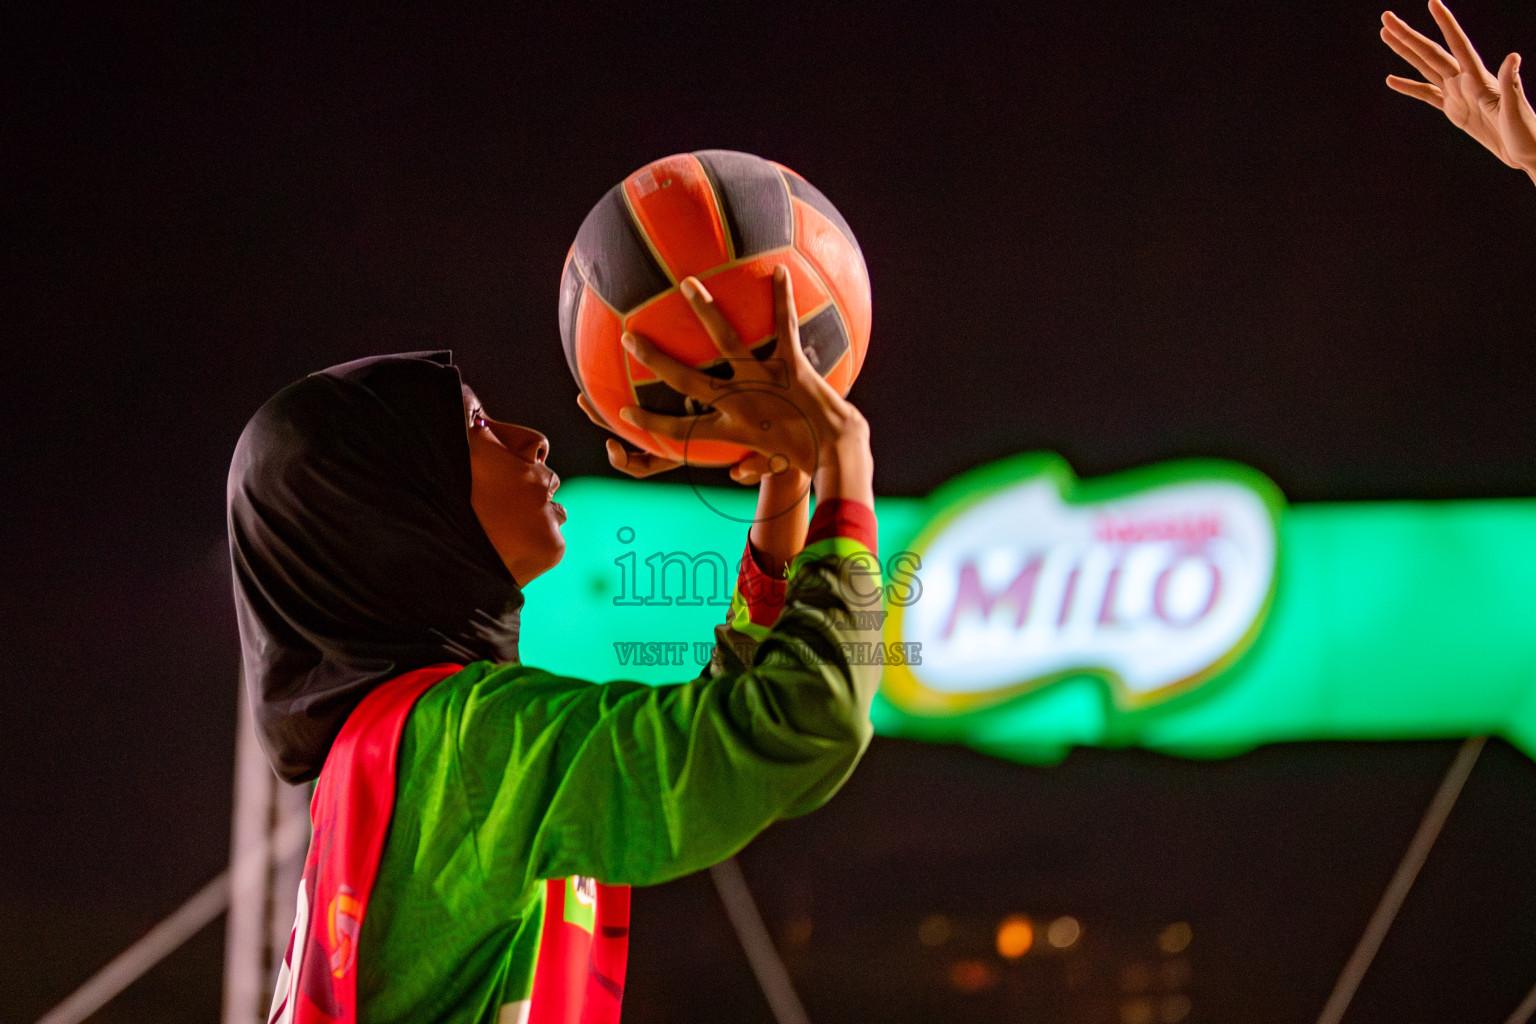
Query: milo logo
x=1152, y=580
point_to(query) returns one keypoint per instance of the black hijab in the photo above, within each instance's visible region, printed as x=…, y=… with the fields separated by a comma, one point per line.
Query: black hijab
x=357, y=555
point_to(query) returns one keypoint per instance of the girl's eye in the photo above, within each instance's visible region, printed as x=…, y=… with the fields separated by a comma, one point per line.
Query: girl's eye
x=479, y=420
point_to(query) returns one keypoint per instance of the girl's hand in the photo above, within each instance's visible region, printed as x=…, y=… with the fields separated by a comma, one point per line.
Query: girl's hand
x=779, y=526
x=781, y=408
x=641, y=464
x=1493, y=110
x=638, y=464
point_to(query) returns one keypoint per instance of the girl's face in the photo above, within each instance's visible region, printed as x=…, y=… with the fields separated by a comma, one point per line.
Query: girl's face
x=512, y=492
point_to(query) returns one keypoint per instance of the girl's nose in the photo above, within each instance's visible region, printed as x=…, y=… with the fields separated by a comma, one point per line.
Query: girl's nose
x=531, y=444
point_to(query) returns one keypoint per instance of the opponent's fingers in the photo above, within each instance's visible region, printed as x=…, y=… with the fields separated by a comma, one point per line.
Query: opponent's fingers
x=683, y=378
x=1509, y=78
x=1477, y=97
x=1517, y=121
x=713, y=318
x=638, y=464
x=1456, y=39
x=1426, y=56
x=1418, y=90
x=1427, y=49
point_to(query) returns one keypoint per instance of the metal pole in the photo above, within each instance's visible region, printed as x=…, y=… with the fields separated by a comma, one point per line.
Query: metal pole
x=741, y=908
x=167, y=936
x=244, y=936
x=290, y=812
x=132, y=962
x=1397, y=890
x=1524, y=1011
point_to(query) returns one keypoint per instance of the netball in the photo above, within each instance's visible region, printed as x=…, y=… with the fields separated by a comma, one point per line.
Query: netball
x=728, y=219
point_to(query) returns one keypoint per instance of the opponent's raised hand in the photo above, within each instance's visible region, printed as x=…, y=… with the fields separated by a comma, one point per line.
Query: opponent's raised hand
x=1491, y=108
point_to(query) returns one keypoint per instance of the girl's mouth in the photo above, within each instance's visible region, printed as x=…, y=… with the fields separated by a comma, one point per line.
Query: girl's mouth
x=560, y=512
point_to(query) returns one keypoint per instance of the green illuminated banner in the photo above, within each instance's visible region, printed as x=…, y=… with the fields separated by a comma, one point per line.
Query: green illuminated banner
x=1181, y=607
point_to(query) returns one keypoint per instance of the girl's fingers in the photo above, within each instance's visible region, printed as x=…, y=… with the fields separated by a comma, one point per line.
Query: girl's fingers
x=683, y=378
x=794, y=354
x=747, y=476
x=1426, y=57
x=787, y=321
x=618, y=455
x=710, y=315
x=1456, y=39
x=674, y=428
x=751, y=469
x=591, y=411
x=636, y=463
x=1418, y=90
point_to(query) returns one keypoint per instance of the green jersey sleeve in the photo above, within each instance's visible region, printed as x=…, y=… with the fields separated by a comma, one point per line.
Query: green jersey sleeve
x=633, y=784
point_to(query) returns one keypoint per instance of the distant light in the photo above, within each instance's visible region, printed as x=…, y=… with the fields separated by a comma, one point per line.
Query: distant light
x=1175, y=973
x=797, y=931
x=971, y=976
x=1174, y=1008
x=1014, y=936
x=1175, y=938
x=1136, y=1011
x=1136, y=978
x=1063, y=932
x=934, y=931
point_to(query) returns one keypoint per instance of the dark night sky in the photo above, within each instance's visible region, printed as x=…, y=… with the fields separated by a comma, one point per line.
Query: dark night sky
x=1120, y=233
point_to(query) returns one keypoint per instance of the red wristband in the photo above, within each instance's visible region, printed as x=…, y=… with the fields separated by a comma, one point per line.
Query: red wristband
x=843, y=517
x=762, y=591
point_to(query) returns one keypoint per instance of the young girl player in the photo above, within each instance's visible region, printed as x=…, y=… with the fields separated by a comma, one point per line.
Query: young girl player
x=478, y=821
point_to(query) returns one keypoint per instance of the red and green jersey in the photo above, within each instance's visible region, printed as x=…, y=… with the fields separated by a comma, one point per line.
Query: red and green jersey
x=509, y=776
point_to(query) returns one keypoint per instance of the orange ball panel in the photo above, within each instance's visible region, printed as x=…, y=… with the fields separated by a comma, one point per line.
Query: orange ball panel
x=598, y=355
x=744, y=292
x=668, y=321
x=840, y=266
x=748, y=287
x=841, y=375
x=639, y=373
x=675, y=205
